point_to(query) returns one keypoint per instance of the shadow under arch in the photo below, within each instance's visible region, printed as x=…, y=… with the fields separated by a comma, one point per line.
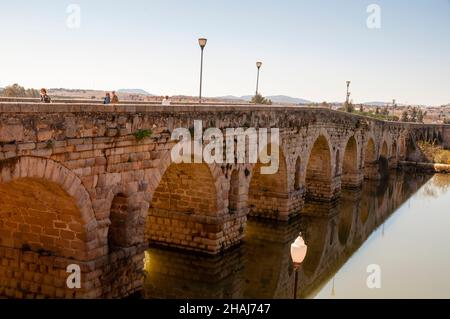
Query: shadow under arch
x=350, y=172
x=318, y=181
x=268, y=194
x=186, y=198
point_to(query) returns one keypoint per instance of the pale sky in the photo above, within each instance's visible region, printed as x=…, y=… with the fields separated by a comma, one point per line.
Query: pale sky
x=308, y=48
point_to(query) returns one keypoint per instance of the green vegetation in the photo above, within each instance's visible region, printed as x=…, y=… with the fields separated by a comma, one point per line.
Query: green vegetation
x=50, y=144
x=16, y=90
x=435, y=153
x=380, y=115
x=259, y=99
x=142, y=134
x=414, y=115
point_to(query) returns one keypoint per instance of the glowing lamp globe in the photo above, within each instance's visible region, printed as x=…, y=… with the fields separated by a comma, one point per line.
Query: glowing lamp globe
x=202, y=42
x=298, y=250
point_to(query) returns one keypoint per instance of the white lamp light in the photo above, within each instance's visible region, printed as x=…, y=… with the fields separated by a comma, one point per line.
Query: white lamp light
x=298, y=250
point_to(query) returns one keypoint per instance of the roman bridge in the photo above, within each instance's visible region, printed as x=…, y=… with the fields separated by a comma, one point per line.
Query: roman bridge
x=93, y=185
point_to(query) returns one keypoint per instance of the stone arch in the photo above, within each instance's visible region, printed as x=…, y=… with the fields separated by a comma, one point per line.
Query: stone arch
x=402, y=148
x=117, y=233
x=383, y=165
x=370, y=160
x=319, y=171
x=46, y=223
x=154, y=176
x=351, y=176
x=188, y=210
x=337, y=163
x=394, y=150
x=298, y=174
x=75, y=221
x=384, y=151
x=233, y=193
x=186, y=188
x=393, y=161
x=268, y=194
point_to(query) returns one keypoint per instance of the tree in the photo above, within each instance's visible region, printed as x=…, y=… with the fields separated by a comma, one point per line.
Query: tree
x=413, y=117
x=405, y=116
x=349, y=107
x=361, y=108
x=16, y=90
x=259, y=99
x=420, y=116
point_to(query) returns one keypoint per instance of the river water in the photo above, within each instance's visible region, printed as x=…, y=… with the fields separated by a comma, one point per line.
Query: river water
x=389, y=240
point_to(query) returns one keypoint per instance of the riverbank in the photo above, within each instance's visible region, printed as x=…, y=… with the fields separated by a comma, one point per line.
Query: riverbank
x=419, y=167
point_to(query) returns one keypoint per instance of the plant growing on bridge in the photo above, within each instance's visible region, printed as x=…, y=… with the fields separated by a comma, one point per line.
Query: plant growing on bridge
x=141, y=134
x=50, y=144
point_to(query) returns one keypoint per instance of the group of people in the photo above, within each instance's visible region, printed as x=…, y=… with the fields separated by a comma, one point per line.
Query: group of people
x=108, y=99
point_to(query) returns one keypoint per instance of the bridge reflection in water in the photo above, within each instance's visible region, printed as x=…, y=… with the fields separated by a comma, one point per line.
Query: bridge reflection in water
x=262, y=266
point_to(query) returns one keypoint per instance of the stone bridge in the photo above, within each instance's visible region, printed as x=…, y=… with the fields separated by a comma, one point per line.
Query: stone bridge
x=263, y=268
x=92, y=185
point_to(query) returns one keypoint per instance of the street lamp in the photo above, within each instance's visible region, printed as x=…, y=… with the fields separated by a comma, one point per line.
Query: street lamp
x=258, y=65
x=348, y=93
x=202, y=43
x=298, y=254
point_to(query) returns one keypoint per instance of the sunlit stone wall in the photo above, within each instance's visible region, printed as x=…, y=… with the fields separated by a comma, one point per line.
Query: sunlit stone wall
x=78, y=181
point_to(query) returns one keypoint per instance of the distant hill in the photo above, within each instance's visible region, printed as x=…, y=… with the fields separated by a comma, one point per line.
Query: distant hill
x=288, y=99
x=134, y=91
x=274, y=98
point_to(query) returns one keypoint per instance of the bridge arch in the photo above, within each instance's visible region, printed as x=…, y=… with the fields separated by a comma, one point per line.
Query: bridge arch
x=186, y=207
x=42, y=173
x=319, y=179
x=268, y=194
x=298, y=174
x=47, y=222
x=370, y=160
x=383, y=165
x=351, y=176
x=384, y=151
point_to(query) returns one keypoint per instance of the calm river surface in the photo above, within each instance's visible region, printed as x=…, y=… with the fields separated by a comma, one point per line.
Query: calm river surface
x=400, y=227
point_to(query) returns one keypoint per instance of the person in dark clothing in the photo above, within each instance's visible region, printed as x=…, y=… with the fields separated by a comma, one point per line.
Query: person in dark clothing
x=44, y=96
x=107, y=99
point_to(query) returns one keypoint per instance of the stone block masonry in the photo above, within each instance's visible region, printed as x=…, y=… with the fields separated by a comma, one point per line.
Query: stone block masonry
x=78, y=185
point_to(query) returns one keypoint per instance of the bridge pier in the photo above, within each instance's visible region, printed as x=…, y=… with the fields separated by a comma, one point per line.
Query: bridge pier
x=353, y=180
x=277, y=206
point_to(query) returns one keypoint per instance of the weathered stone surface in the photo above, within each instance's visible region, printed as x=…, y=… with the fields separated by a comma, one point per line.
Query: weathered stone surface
x=76, y=183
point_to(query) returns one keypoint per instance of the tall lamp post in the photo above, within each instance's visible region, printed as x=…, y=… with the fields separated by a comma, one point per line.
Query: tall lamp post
x=347, y=100
x=202, y=43
x=298, y=254
x=258, y=65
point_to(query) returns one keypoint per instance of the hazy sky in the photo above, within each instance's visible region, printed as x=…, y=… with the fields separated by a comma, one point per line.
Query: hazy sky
x=309, y=48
